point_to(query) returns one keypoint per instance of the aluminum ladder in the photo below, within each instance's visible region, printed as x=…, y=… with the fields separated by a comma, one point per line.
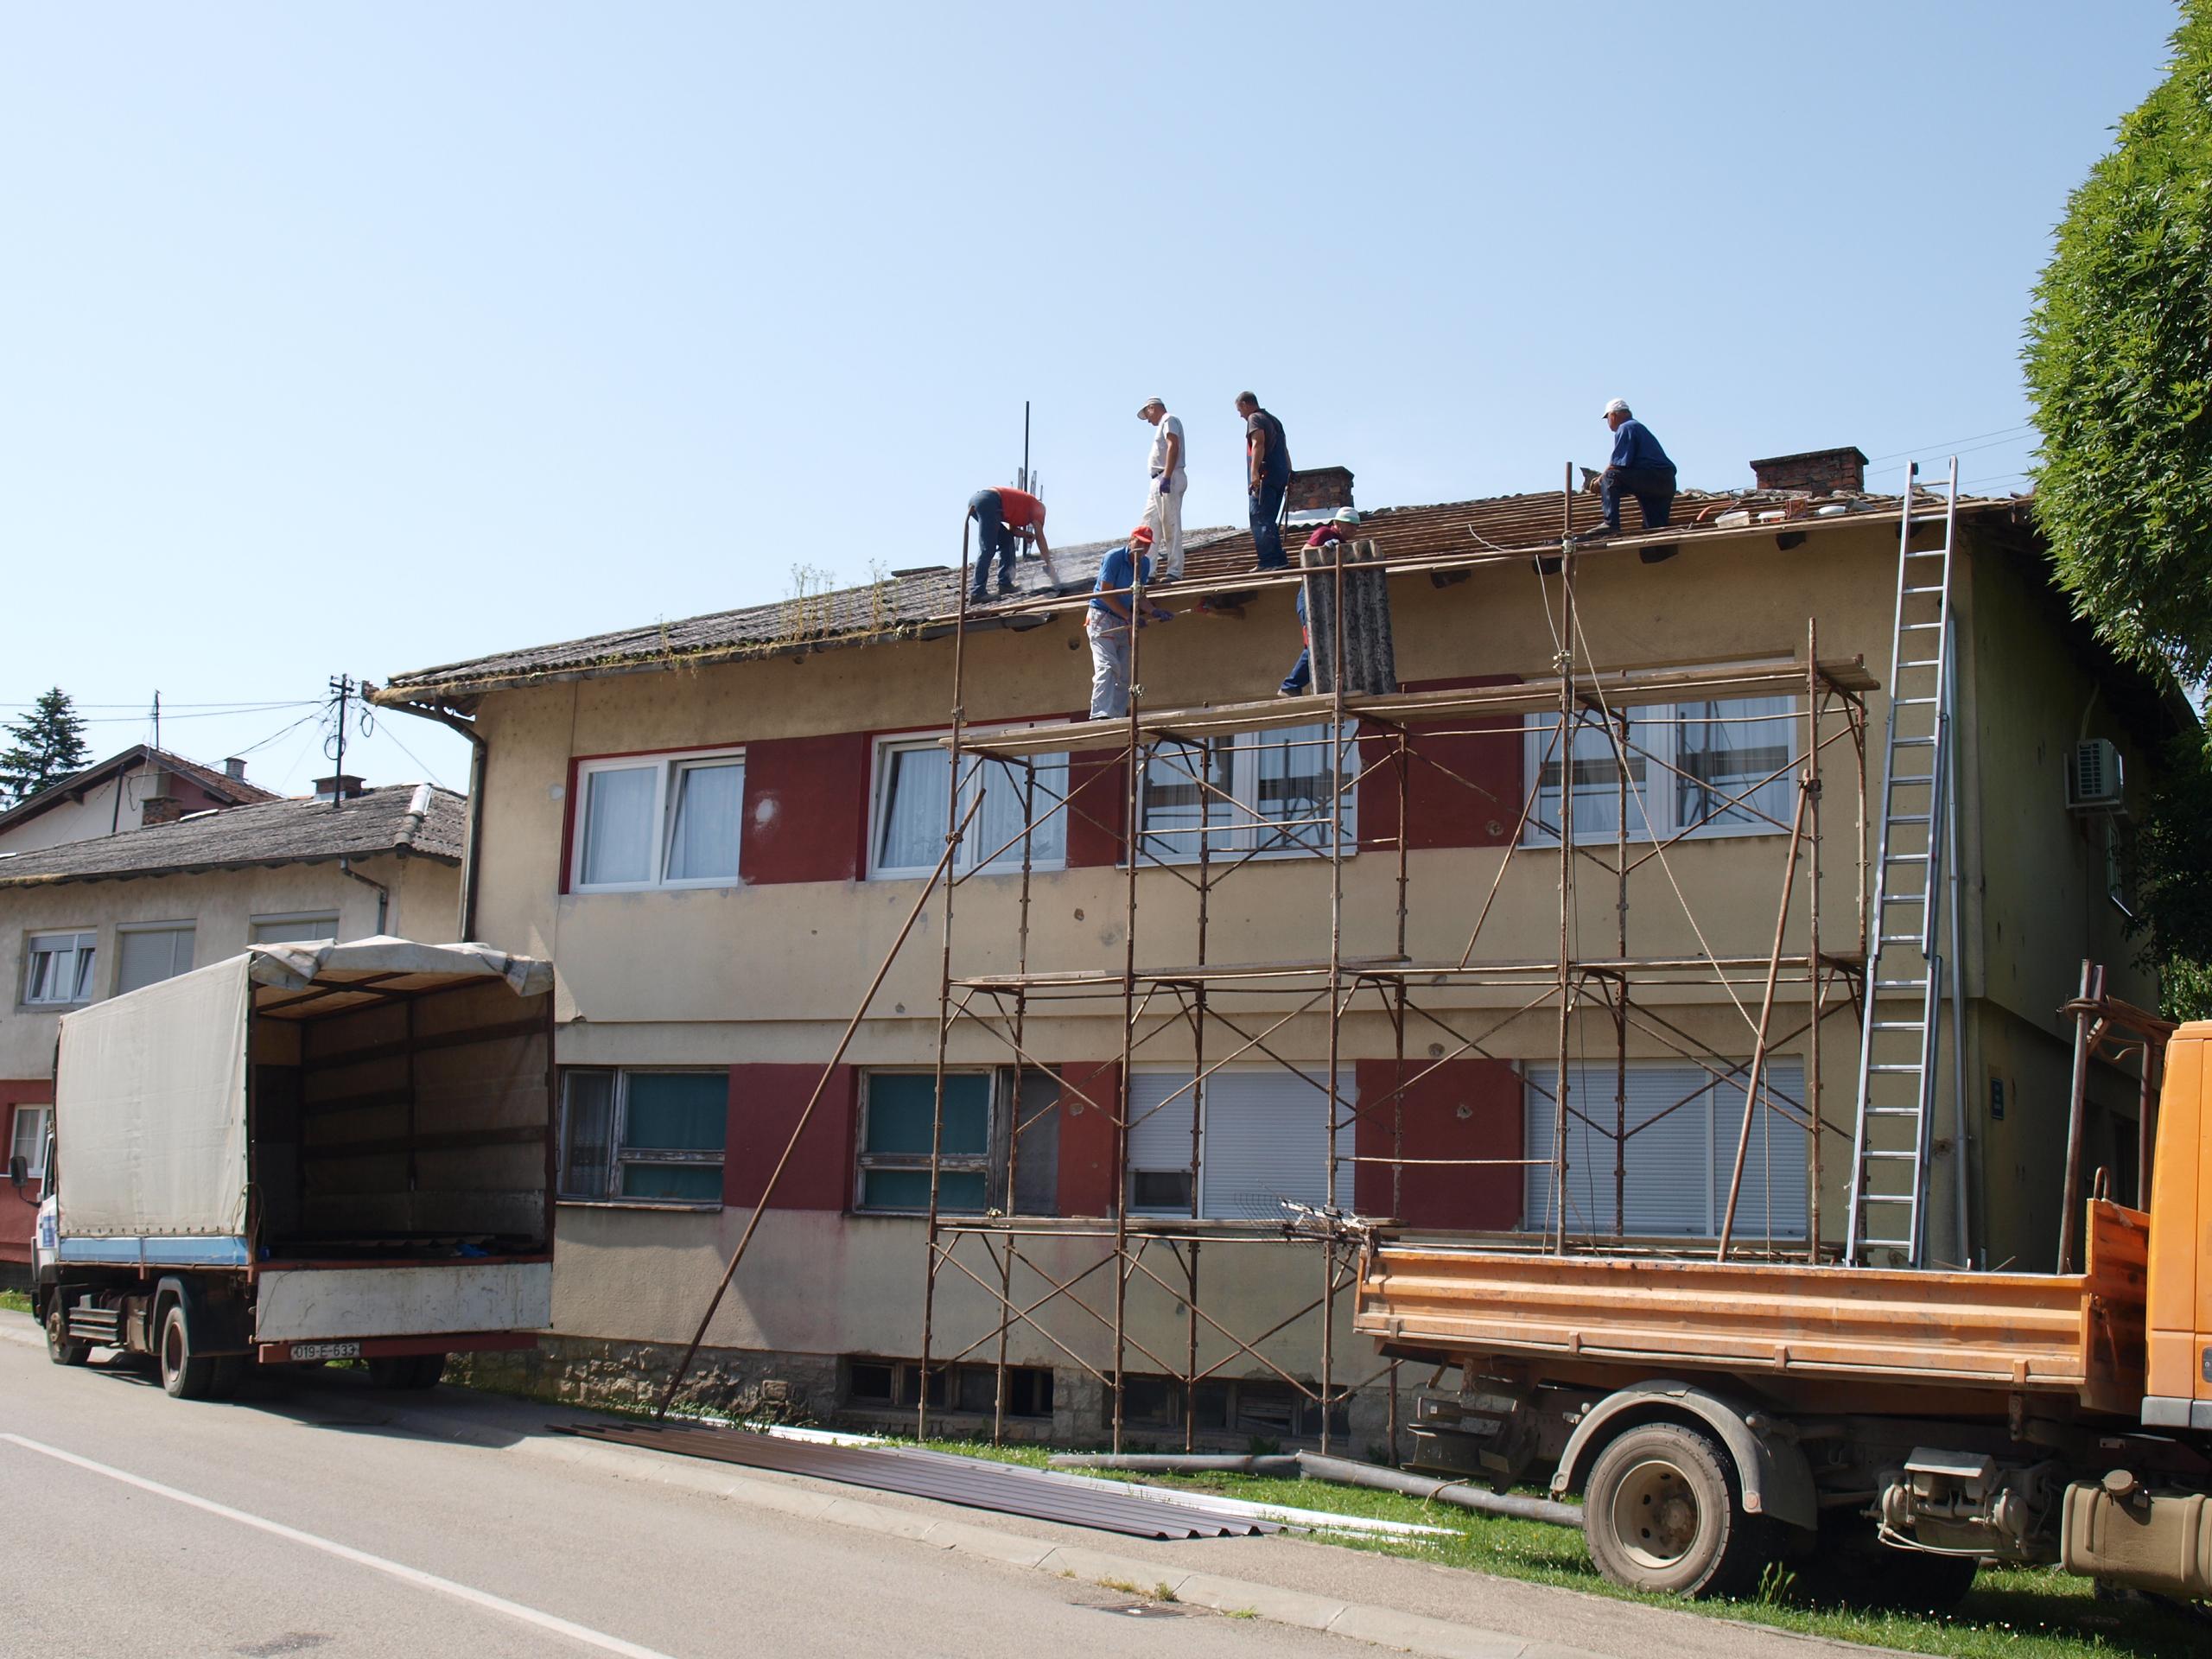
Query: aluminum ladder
x=1905, y=962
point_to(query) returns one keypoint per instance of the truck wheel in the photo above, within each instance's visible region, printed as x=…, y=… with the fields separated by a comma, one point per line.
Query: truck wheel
x=1661, y=1513
x=429, y=1370
x=185, y=1375
x=406, y=1371
x=59, y=1347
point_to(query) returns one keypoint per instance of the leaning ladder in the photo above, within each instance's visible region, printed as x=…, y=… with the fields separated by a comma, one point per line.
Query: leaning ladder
x=1904, y=964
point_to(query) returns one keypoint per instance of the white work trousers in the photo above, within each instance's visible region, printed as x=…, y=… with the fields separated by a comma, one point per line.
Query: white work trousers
x=1163, y=513
x=1110, y=665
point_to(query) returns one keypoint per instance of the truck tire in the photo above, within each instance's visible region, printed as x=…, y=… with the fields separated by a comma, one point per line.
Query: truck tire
x=407, y=1371
x=60, y=1348
x=429, y=1370
x=185, y=1375
x=1662, y=1512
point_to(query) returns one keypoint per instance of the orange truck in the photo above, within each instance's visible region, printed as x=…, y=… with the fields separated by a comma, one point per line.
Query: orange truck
x=1888, y=1430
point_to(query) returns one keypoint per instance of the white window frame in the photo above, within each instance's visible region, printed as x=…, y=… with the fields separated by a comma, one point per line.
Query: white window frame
x=126, y=928
x=618, y=1126
x=669, y=767
x=967, y=860
x=1347, y=1105
x=1239, y=837
x=989, y=1163
x=41, y=1116
x=82, y=947
x=289, y=918
x=1652, y=804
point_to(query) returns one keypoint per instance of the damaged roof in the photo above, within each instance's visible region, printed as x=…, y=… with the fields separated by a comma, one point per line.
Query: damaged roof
x=921, y=604
x=414, y=820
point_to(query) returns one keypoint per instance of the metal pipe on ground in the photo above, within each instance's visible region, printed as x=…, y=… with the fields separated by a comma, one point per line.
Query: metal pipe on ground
x=1177, y=1463
x=1346, y=1472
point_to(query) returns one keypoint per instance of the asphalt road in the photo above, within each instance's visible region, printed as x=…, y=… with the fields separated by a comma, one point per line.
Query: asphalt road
x=295, y=1523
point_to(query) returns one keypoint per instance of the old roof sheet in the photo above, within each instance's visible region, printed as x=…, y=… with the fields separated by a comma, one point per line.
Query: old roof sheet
x=923, y=603
x=221, y=785
x=388, y=819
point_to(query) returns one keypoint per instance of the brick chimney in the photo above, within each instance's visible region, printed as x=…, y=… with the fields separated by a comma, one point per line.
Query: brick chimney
x=159, y=809
x=1816, y=471
x=342, y=787
x=1321, y=489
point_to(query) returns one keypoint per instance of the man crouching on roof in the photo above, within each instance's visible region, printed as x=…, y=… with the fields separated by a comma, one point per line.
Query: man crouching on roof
x=1121, y=576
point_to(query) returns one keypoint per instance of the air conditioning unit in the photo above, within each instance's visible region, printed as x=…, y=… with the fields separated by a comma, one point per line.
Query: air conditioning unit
x=2094, y=782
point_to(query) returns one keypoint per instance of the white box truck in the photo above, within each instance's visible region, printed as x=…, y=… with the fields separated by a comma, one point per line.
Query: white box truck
x=311, y=1152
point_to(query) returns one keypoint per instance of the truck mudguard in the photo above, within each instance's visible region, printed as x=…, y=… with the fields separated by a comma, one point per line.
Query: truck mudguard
x=1777, y=1479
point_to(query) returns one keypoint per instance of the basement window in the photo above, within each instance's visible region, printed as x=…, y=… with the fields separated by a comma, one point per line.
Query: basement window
x=1249, y=794
x=646, y=1136
x=665, y=821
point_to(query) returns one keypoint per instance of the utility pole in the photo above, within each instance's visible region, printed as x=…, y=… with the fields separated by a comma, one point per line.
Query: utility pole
x=158, y=719
x=341, y=690
x=1025, y=447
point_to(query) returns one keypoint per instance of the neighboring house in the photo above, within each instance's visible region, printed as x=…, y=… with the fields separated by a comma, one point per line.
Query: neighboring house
x=715, y=827
x=141, y=786
x=91, y=919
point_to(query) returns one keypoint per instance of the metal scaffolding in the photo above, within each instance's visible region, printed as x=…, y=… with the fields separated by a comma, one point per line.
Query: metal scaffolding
x=1231, y=1013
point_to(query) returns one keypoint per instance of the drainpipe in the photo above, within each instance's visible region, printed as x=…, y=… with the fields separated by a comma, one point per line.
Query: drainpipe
x=479, y=748
x=383, y=893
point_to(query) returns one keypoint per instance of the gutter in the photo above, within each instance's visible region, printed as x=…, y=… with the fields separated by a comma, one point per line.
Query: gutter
x=479, y=750
x=383, y=893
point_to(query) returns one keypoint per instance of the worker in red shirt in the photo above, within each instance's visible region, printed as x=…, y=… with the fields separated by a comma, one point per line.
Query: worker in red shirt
x=1005, y=519
x=1301, y=672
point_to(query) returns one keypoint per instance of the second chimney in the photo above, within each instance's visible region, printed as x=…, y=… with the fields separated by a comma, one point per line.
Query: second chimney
x=342, y=787
x=234, y=769
x=1816, y=471
x=1322, y=489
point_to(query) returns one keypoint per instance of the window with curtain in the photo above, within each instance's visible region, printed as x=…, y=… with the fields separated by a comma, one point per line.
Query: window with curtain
x=1683, y=1123
x=58, y=969
x=896, y=1122
x=27, y=1140
x=1712, y=768
x=1263, y=1137
x=652, y=1136
x=666, y=821
x=913, y=781
x=1267, y=792
x=146, y=956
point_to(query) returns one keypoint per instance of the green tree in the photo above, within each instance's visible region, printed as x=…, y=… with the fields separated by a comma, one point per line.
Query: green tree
x=49, y=744
x=2118, y=361
x=2119, y=368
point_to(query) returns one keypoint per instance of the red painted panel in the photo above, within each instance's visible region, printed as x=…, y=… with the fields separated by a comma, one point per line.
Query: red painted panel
x=1090, y=1093
x=1445, y=811
x=1097, y=810
x=16, y=1216
x=806, y=809
x=1455, y=1108
x=765, y=1103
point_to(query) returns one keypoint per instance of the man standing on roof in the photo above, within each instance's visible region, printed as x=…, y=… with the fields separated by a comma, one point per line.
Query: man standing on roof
x=1005, y=518
x=1639, y=467
x=1110, y=621
x=1267, y=467
x=1163, y=508
x=1301, y=672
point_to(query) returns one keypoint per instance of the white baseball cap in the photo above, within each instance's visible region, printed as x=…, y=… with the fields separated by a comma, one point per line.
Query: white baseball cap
x=1618, y=406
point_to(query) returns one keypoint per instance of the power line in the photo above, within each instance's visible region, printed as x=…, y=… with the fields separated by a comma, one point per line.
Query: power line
x=1945, y=443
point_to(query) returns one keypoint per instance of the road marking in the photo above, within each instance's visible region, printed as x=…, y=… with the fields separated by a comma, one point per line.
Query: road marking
x=513, y=1610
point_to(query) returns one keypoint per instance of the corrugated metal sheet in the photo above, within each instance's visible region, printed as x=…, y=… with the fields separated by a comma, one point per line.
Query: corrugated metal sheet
x=1006, y=1489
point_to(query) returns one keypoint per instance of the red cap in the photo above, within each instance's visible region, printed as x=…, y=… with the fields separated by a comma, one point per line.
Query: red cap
x=1142, y=533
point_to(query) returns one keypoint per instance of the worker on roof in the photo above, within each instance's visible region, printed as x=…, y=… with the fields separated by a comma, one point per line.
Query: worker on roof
x=1117, y=606
x=1163, y=507
x=1639, y=467
x=1267, y=467
x=1007, y=520
x=1301, y=672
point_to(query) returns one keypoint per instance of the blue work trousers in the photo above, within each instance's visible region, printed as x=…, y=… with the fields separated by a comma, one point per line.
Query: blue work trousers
x=1301, y=672
x=1267, y=533
x=1652, y=487
x=987, y=509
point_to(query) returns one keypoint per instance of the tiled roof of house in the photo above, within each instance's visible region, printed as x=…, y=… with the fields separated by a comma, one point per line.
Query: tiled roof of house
x=222, y=787
x=417, y=820
x=923, y=603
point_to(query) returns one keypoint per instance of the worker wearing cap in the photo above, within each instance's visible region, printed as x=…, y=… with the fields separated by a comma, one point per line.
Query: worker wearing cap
x=1301, y=672
x=1266, y=468
x=1118, y=606
x=1639, y=467
x=1005, y=518
x=1163, y=507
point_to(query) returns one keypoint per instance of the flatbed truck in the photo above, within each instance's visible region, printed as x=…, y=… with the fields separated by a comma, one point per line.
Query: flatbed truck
x=308, y=1153
x=1892, y=1428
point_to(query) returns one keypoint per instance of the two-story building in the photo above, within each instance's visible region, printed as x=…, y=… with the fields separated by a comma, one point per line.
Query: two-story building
x=139, y=786
x=717, y=829
x=88, y=919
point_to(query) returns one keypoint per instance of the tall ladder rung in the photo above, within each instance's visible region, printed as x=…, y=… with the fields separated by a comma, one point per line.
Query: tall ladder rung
x=1899, y=783
x=1900, y=1024
x=1893, y=1111
x=1900, y=984
x=1899, y=1068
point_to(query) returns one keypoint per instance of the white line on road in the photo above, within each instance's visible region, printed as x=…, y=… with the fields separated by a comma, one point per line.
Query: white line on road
x=484, y=1599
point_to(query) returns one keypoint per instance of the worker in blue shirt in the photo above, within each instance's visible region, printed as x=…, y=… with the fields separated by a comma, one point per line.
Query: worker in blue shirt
x=1118, y=608
x=1639, y=467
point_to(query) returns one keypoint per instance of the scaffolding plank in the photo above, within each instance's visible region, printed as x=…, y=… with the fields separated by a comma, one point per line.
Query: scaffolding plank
x=1631, y=688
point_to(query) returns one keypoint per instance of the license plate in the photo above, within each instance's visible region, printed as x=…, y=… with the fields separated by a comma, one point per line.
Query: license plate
x=325, y=1351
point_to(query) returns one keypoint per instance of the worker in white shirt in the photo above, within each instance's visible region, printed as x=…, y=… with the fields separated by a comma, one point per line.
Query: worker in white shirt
x=1163, y=508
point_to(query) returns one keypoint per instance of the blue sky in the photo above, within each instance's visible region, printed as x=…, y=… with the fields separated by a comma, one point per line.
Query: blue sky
x=360, y=338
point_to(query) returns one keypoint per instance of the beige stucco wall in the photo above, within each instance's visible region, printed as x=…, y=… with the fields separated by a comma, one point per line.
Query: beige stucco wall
x=221, y=905
x=98, y=814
